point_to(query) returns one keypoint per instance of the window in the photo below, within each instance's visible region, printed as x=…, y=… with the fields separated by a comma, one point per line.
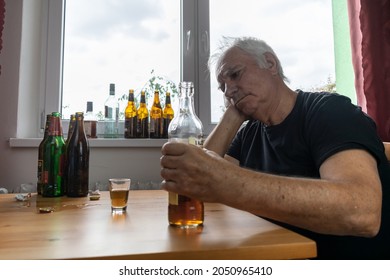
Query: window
x=300, y=32
x=121, y=42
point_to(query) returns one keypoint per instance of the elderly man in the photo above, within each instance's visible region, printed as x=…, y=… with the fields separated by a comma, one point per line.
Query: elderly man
x=311, y=162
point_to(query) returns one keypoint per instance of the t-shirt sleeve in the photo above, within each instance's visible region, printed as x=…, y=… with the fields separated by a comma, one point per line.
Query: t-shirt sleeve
x=336, y=125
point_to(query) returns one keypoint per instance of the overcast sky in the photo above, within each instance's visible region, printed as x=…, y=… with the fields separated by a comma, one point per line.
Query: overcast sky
x=121, y=41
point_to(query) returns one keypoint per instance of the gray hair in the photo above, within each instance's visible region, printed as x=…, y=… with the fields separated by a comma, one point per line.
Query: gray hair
x=252, y=46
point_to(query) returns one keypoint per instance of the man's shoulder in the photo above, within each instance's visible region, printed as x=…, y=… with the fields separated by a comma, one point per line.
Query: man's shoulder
x=323, y=97
x=319, y=103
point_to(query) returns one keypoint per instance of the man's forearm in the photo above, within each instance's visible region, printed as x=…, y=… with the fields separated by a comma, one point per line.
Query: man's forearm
x=221, y=137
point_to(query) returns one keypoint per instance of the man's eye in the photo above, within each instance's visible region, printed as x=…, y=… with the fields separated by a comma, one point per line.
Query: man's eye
x=234, y=75
x=222, y=87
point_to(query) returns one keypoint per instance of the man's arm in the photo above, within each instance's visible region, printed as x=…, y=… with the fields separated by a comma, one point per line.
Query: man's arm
x=221, y=137
x=345, y=201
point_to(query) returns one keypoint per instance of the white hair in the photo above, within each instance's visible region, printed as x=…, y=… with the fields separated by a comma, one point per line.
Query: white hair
x=252, y=46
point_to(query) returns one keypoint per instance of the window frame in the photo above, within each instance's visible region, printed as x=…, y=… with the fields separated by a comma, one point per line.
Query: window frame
x=53, y=22
x=193, y=67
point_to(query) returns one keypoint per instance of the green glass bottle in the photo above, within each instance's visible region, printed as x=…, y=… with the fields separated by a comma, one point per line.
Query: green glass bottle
x=40, y=155
x=77, y=156
x=53, y=159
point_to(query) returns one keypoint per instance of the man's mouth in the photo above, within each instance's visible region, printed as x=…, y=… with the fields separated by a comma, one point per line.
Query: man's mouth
x=236, y=102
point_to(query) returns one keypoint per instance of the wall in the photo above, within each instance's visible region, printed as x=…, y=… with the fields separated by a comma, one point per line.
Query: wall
x=19, y=91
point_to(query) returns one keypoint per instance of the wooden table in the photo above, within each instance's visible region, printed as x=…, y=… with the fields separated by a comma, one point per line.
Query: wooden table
x=83, y=229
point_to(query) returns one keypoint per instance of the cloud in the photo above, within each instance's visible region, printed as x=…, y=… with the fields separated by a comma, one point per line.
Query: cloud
x=121, y=41
x=93, y=20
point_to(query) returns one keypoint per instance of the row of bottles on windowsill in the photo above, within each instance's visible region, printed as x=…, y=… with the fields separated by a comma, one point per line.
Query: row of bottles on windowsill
x=63, y=166
x=144, y=123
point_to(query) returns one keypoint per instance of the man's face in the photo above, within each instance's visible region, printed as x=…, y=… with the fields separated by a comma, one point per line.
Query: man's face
x=247, y=86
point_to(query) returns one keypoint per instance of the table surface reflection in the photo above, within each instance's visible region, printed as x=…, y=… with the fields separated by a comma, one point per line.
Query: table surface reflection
x=80, y=228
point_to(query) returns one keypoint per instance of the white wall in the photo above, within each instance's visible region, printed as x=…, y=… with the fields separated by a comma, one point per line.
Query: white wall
x=19, y=93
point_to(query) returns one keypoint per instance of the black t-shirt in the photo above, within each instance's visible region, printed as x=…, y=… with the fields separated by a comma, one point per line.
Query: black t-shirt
x=320, y=125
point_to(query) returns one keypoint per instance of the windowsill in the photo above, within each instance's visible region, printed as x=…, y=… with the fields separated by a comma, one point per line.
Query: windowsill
x=94, y=143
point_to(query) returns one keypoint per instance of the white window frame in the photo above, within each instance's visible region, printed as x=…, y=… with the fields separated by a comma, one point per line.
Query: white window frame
x=195, y=51
x=52, y=58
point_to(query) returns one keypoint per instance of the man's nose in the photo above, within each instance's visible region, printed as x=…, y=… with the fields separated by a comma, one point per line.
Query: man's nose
x=230, y=89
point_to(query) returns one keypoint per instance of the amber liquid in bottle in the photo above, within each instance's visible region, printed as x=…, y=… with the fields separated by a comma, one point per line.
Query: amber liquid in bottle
x=155, y=129
x=184, y=211
x=131, y=117
x=168, y=114
x=143, y=118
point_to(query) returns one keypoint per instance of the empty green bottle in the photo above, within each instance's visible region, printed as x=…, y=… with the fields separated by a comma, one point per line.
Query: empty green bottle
x=53, y=159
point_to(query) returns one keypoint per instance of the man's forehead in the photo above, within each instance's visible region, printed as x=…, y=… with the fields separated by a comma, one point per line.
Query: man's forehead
x=234, y=58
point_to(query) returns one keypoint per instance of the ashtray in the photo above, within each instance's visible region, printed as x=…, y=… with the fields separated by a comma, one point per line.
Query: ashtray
x=44, y=210
x=23, y=197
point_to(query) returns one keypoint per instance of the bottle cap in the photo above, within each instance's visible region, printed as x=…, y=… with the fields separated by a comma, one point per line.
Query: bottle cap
x=89, y=106
x=112, y=89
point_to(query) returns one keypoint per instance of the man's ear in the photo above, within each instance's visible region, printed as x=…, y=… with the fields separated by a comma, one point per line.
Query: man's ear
x=272, y=63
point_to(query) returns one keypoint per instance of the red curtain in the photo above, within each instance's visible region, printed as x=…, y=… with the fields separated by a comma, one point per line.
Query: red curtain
x=2, y=16
x=370, y=39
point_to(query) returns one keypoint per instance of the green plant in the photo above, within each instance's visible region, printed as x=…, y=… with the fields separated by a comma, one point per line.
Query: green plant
x=155, y=82
x=162, y=84
x=328, y=86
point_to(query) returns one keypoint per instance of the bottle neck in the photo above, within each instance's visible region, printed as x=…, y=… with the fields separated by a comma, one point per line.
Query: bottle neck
x=143, y=100
x=55, y=128
x=80, y=121
x=156, y=99
x=168, y=101
x=131, y=97
x=47, y=126
x=186, y=105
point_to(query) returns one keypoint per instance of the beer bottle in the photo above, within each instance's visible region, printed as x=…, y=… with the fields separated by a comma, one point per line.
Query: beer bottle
x=168, y=114
x=77, y=155
x=187, y=128
x=90, y=121
x=142, y=118
x=155, y=129
x=131, y=117
x=53, y=160
x=40, y=155
x=72, y=121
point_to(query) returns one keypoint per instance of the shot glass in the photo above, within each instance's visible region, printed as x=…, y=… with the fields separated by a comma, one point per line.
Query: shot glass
x=119, y=194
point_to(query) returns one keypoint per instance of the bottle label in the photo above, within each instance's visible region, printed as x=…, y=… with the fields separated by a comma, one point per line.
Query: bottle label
x=173, y=198
x=197, y=141
x=192, y=140
x=152, y=125
x=142, y=128
x=45, y=177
